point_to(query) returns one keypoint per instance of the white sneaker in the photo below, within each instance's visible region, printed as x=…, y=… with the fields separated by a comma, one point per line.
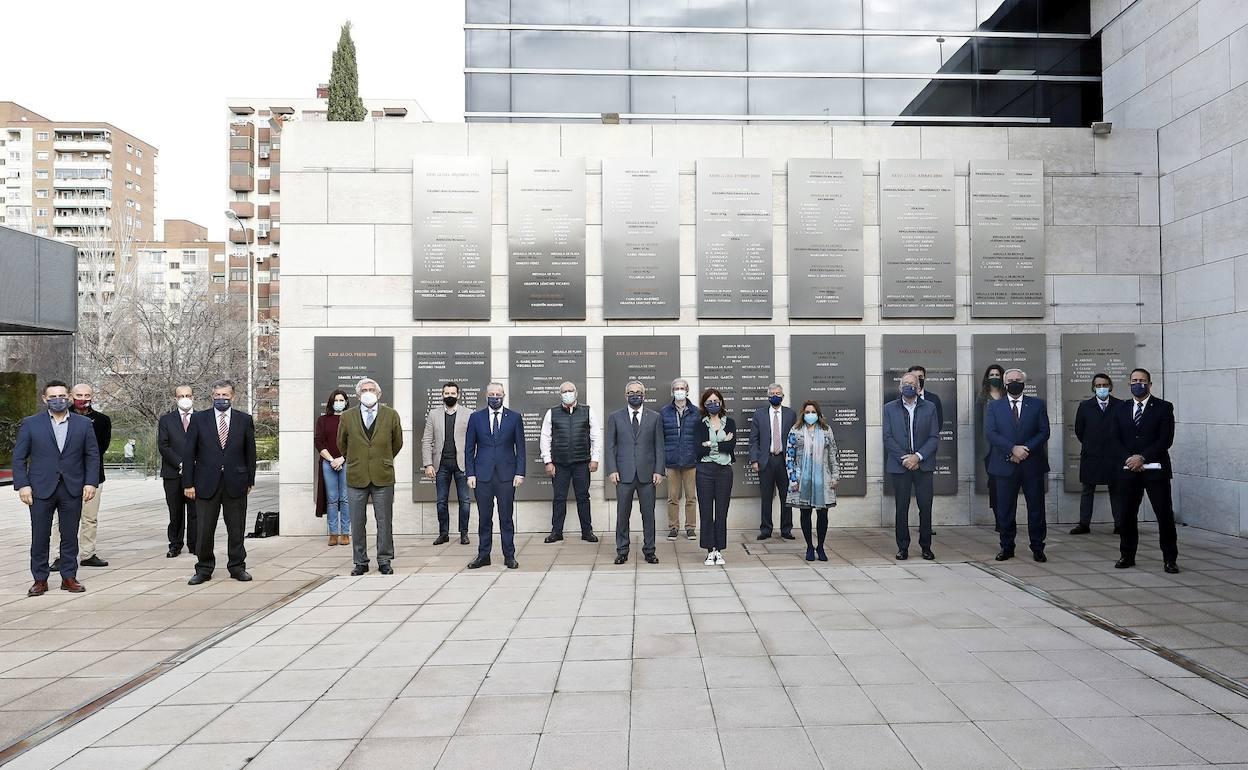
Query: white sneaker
x=719, y=558
x=710, y=559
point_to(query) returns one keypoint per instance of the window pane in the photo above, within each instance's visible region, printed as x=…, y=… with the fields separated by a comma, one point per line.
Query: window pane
x=920, y=14
x=806, y=14
x=569, y=12
x=805, y=96
x=1066, y=16
x=805, y=53
x=1006, y=56
x=1068, y=57
x=688, y=13
x=1008, y=15
x=920, y=97
x=919, y=54
x=487, y=48
x=701, y=96
x=1071, y=104
x=569, y=93
x=688, y=51
x=569, y=50
x=487, y=11
x=1007, y=98
x=489, y=93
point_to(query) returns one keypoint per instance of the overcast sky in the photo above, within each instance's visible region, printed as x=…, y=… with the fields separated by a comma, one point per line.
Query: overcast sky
x=163, y=71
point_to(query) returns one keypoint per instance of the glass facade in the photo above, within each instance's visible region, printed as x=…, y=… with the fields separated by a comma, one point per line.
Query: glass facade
x=983, y=62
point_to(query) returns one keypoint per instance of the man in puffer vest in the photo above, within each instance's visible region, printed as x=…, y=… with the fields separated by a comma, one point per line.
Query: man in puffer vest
x=571, y=446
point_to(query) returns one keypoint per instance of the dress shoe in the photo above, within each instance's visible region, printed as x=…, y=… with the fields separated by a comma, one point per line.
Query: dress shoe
x=553, y=538
x=622, y=558
x=764, y=535
x=482, y=560
x=927, y=554
x=463, y=538
x=1039, y=556
x=333, y=540
x=510, y=562
x=198, y=578
x=442, y=538
x=359, y=569
x=94, y=561
x=1172, y=568
x=1124, y=563
x=901, y=556
x=810, y=554
x=651, y=559
x=788, y=536
x=173, y=553
x=1081, y=529
x=589, y=537
x=385, y=569
x=1003, y=555
x=72, y=585
x=344, y=540
x=38, y=588
x=242, y=576
x=820, y=554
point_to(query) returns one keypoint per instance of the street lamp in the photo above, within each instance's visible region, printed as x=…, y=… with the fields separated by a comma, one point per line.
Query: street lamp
x=252, y=303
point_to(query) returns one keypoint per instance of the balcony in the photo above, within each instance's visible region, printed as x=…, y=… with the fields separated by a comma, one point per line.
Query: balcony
x=90, y=161
x=238, y=236
x=82, y=183
x=242, y=183
x=81, y=220
x=82, y=144
x=81, y=203
x=244, y=209
x=275, y=235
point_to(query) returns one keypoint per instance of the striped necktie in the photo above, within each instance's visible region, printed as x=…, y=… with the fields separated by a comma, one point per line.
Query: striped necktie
x=1139, y=413
x=223, y=430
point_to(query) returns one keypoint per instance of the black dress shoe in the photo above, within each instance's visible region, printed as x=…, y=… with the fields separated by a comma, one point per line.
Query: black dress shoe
x=481, y=561
x=902, y=556
x=173, y=552
x=358, y=570
x=463, y=538
x=442, y=538
x=1081, y=529
x=242, y=576
x=651, y=559
x=787, y=536
x=553, y=538
x=764, y=535
x=927, y=554
x=198, y=578
x=94, y=561
x=589, y=537
x=621, y=558
x=1124, y=563
x=1003, y=555
x=510, y=562
x=1172, y=568
x=1039, y=556
x=385, y=569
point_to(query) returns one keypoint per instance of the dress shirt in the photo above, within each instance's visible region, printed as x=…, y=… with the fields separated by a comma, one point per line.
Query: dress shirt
x=910, y=407
x=776, y=416
x=60, y=428
x=185, y=417
x=369, y=414
x=595, y=435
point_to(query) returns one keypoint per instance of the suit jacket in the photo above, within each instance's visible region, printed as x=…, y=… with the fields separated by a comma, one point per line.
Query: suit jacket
x=435, y=436
x=39, y=464
x=635, y=458
x=208, y=467
x=370, y=460
x=760, y=436
x=897, y=435
x=1099, y=462
x=1003, y=435
x=498, y=455
x=1152, y=439
x=934, y=400
x=171, y=441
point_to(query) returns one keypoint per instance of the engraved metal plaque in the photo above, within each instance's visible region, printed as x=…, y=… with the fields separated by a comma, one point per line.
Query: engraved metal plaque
x=436, y=361
x=917, y=204
x=546, y=239
x=341, y=362
x=831, y=369
x=1084, y=356
x=734, y=238
x=825, y=239
x=538, y=366
x=938, y=353
x=640, y=239
x=1007, y=239
x=741, y=367
x=451, y=239
x=652, y=361
x=1028, y=352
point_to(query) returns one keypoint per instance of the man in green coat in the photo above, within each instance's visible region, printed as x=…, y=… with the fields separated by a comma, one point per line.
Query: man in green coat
x=369, y=438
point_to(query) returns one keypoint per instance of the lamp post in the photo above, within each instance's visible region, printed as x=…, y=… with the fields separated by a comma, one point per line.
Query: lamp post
x=251, y=306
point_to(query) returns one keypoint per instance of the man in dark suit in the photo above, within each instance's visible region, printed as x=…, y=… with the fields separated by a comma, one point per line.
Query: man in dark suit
x=56, y=467
x=171, y=442
x=924, y=395
x=635, y=464
x=911, y=440
x=1142, y=432
x=768, y=439
x=1099, y=463
x=494, y=456
x=218, y=472
x=1017, y=429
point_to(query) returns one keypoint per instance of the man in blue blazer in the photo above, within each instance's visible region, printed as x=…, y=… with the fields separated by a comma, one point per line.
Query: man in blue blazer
x=494, y=460
x=1017, y=429
x=911, y=440
x=768, y=439
x=56, y=468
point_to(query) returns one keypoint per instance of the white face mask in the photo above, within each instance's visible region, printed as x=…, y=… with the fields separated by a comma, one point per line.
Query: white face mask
x=185, y=404
x=368, y=399
x=680, y=395
x=340, y=406
x=568, y=398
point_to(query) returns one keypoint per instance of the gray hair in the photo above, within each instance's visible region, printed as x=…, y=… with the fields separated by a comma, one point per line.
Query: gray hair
x=499, y=384
x=223, y=383
x=680, y=381
x=364, y=380
x=1006, y=373
x=638, y=383
x=774, y=386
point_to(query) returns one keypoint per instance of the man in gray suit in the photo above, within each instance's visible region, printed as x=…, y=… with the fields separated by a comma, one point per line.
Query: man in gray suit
x=635, y=464
x=442, y=452
x=911, y=438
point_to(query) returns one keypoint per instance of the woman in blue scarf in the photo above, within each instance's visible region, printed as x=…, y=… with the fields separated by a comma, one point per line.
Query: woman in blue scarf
x=810, y=455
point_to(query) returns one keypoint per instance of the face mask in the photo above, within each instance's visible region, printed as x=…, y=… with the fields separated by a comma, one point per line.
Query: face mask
x=1015, y=388
x=58, y=404
x=996, y=382
x=1139, y=389
x=495, y=402
x=568, y=398
x=635, y=400
x=368, y=399
x=185, y=404
x=909, y=391
x=810, y=418
x=221, y=404
x=450, y=401
x=712, y=407
x=775, y=400
x=82, y=403
x=340, y=406
x=921, y=381
x=680, y=395
x=1102, y=393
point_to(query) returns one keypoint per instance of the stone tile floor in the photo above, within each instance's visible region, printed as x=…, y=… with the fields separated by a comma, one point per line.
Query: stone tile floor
x=574, y=662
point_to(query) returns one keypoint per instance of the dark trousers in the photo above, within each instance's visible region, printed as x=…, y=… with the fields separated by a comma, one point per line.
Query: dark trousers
x=624, y=493
x=182, y=523
x=1087, y=496
x=992, y=488
x=918, y=483
x=1132, y=491
x=68, y=510
x=446, y=471
x=576, y=474
x=488, y=493
x=1032, y=488
x=773, y=481
x=822, y=525
x=234, y=511
x=714, y=484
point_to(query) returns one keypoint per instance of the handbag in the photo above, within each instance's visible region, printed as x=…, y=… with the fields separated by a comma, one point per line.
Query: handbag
x=266, y=525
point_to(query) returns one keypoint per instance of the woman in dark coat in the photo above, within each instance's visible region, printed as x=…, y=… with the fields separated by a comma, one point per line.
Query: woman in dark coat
x=991, y=388
x=331, y=471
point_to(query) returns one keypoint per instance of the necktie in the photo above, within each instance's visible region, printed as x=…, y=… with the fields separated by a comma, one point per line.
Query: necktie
x=1139, y=413
x=494, y=428
x=1103, y=405
x=636, y=423
x=1017, y=411
x=775, y=431
x=223, y=430
x=369, y=416
x=910, y=428
x=186, y=422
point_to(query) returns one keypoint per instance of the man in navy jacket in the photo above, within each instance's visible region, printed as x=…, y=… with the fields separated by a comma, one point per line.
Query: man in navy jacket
x=494, y=459
x=680, y=420
x=1017, y=429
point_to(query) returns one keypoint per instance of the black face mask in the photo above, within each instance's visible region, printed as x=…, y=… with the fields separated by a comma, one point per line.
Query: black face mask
x=450, y=401
x=1015, y=388
x=995, y=382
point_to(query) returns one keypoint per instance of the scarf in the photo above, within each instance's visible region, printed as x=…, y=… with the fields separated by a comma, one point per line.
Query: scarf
x=810, y=484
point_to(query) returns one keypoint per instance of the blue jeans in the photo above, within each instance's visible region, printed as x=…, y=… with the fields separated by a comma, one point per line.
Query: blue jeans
x=337, y=515
x=446, y=471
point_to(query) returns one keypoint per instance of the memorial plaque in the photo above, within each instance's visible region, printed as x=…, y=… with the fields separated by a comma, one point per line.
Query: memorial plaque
x=825, y=239
x=538, y=366
x=1084, y=356
x=734, y=238
x=640, y=239
x=1007, y=239
x=652, y=361
x=831, y=369
x=546, y=239
x=451, y=239
x=1028, y=352
x=938, y=353
x=436, y=361
x=741, y=367
x=917, y=204
x=341, y=362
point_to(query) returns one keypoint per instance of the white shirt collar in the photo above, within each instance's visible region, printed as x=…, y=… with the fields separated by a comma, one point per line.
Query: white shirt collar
x=1144, y=404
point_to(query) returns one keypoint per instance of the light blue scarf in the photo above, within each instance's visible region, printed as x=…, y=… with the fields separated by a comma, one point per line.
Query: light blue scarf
x=810, y=486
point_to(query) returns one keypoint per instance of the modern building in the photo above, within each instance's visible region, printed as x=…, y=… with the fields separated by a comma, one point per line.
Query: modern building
x=254, y=130
x=961, y=62
x=184, y=266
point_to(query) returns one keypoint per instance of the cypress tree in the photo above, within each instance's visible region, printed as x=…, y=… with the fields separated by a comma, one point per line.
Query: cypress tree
x=344, y=80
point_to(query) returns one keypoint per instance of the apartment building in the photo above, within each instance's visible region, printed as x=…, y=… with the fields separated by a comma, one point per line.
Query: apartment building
x=184, y=266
